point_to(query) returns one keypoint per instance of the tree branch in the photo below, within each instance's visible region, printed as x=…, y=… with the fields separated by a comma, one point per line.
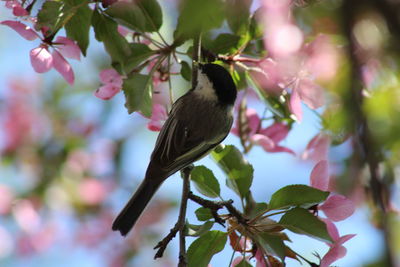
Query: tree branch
x=180, y=224
x=214, y=206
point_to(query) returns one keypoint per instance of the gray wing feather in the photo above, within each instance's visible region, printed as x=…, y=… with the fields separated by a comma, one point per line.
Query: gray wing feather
x=180, y=141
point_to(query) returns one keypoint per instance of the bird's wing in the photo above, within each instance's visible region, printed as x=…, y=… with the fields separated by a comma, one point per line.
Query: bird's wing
x=178, y=145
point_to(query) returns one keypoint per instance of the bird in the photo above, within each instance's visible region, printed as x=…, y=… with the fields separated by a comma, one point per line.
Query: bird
x=198, y=121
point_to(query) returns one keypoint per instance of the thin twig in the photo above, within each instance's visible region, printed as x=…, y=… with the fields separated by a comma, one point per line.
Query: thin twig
x=216, y=205
x=180, y=224
x=195, y=58
x=182, y=215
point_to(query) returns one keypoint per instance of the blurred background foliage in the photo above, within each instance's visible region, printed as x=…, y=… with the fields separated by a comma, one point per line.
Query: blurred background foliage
x=69, y=159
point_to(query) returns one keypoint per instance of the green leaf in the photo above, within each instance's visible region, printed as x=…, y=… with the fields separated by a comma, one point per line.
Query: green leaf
x=186, y=71
x=139, y=15
x=226, y=43
x=105, y=30
x=274, y=106
x=139, y=53
x=50, y=15
x=256, y=30
x=297, y=195
x=238, y=15
x=239, y=171
x=78, y=26
x=243, y=263
x=301, y=221
x=196, y=16
x=205, y=181
x=203, y=214
x=203, y=248
x=272, y=244
x=137, y=90
x=198, y=230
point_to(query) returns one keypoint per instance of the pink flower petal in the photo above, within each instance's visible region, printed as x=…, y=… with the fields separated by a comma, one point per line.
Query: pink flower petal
x=107, y=91
x=295, y=105
x=158, y=117
x=337, y=207
x=68, y=48
x=260, y=259
x=311, y=94
x=253, y=122
x=277, y=132
x=41, y=59
x=317, y=148
x=111, y=76
x=263, y=141
x=92, y=191
x=335, y=252
x=63, y=67
x=282, y=149
x=332, y=229
x=22, y=29
x=18, y=10
x=345, y=238
x=319, y=177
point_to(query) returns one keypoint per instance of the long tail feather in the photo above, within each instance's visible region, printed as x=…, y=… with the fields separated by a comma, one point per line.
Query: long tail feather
x=134, y=208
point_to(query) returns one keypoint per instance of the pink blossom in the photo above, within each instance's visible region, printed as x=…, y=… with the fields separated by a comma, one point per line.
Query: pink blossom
x=63, y=67
x=322, y=58
x=158, y=117
x=25, y=31
x=295, y=105
x=319, y=177
x=112, y=84
x=37, y=241
x=26, y=216
x=68, y=48
x=6, y=199
x=41, y=59
x=18, y=10
x=253, y=123
x=337, y=250
x=268, y=138
x=92, y=191
x=317, y=148
x=260, y=258
x=337, y=207
x=110, y=76
x=284, y=40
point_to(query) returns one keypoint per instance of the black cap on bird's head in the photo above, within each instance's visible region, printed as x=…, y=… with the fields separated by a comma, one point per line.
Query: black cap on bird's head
x=222, y=82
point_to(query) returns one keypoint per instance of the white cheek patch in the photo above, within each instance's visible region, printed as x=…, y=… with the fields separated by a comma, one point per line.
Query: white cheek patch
x=205, y=88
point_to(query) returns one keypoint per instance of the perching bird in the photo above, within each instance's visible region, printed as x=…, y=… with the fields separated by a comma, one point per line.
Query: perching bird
x=198, y=121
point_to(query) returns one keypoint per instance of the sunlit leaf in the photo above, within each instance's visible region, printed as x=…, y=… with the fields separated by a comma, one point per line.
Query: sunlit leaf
x=105, y=30
x=205, y=181
x=196, y=16
x=239, y=171
x=301, y=221
x=203, y=214
x=297, y=195
x=203, y=248
x=78, y=25
x=198, y=230
x=137, y=90
x=140, y=15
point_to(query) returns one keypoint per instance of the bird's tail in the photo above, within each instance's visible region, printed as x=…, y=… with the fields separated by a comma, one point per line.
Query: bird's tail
x=134, y=208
